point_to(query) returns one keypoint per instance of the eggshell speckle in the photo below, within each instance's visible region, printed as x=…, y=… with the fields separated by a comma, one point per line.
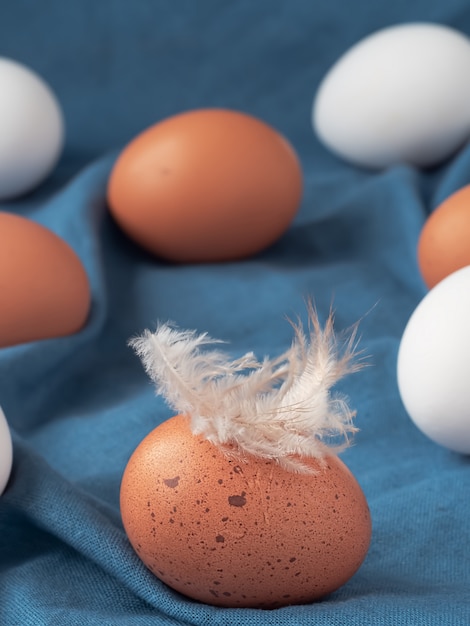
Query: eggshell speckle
x=43, y=285
x=401, y=95
x=443, y=245
x=241, y=534
x=206, y=185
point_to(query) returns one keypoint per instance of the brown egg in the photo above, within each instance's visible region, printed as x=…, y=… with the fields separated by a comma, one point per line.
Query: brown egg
x=44, y=287
x=241, y=534
x=443, y=245
x=206, y=185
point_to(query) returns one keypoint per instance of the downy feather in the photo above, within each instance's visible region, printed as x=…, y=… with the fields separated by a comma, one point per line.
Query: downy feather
x=280, y=409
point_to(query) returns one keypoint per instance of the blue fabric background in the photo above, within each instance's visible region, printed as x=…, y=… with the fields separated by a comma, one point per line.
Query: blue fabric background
x=78, y=406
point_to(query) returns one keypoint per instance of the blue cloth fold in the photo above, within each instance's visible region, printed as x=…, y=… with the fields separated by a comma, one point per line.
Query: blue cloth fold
x=79, y=405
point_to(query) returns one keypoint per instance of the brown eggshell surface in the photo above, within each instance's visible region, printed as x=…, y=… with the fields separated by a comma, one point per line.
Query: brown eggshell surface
x=44, y=288
x=241, y=533
x=206, y=185
x=443, y=245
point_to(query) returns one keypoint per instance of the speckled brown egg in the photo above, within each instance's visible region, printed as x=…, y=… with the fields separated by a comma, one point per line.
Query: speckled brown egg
x=239, y=533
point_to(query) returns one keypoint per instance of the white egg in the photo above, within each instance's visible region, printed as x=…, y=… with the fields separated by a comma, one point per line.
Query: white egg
x=6, y=452
x=433, y=366
x=31, y=129
x=401, y=94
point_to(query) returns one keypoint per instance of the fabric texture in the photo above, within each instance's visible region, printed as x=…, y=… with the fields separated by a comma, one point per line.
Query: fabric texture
x=78, y=406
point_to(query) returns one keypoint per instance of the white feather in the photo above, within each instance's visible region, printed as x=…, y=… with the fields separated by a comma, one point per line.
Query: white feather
x=280, y=409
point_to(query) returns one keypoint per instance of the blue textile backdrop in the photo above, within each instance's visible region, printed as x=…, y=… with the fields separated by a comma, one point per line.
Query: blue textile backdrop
x=78, y=406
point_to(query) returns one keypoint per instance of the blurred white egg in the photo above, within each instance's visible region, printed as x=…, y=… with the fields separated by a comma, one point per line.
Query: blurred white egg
x=31, y=129
x=401, y=94
x=433, y=366
x=6, y=452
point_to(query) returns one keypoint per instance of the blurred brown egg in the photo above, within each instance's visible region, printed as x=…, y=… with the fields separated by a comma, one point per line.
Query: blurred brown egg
x=44, y=287
x=443, y=245
x=241, y=534
x=206, y=185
